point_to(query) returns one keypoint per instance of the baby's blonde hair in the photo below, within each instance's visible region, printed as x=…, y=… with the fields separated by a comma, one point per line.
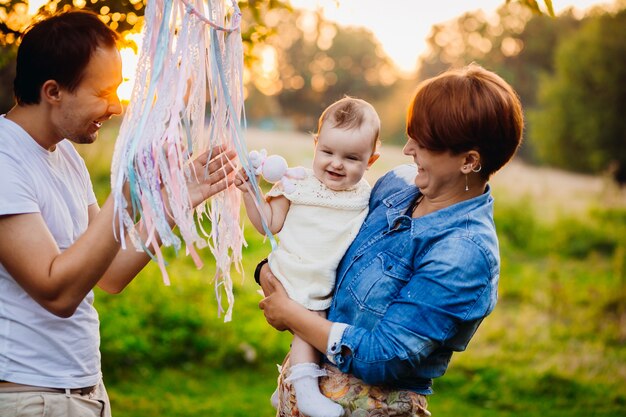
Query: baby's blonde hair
x=351, y=113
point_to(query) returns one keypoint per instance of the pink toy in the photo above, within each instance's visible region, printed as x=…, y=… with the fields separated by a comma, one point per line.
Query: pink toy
x=274, y=168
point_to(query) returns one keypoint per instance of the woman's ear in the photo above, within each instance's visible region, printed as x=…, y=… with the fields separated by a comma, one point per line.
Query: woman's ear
x=471, y=162
x=51, y=92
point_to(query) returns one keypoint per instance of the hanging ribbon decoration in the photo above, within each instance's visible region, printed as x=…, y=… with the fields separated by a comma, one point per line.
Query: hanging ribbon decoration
x=189, y=48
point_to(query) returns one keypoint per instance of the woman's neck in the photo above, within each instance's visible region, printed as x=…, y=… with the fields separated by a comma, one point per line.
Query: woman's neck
x=425, y=205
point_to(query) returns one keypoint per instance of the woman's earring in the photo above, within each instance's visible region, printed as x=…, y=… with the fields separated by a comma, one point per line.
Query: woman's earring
x=477, y=169
x=466, y=186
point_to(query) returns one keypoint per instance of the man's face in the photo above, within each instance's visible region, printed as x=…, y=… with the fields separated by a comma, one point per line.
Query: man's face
x=82, y=111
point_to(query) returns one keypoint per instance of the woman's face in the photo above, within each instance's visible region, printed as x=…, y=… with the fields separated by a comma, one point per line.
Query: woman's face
x=438, y=173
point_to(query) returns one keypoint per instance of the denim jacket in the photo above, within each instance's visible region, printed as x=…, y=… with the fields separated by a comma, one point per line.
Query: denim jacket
x=412, y=291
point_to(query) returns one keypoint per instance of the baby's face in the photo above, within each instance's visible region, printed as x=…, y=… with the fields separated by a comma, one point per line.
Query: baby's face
x=342, y=156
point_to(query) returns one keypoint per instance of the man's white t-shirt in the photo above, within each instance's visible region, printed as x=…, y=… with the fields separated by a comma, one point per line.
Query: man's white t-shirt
x=36, y=347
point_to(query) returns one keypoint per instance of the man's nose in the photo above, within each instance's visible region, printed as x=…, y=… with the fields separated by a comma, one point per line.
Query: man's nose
x=115, y=105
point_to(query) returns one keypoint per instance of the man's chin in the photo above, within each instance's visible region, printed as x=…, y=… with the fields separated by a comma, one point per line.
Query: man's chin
x=85, y=139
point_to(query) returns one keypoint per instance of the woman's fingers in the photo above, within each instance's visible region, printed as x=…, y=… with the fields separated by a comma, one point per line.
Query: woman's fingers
x=275, y=299
x=267, y=280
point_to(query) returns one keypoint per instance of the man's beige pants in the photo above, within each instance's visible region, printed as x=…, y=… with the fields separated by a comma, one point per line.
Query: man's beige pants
x=51, y=404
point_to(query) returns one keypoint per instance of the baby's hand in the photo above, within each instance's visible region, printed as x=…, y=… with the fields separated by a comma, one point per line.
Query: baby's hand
x=242, y=182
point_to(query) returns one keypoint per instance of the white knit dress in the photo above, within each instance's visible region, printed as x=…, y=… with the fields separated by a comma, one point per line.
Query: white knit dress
x=319, y=227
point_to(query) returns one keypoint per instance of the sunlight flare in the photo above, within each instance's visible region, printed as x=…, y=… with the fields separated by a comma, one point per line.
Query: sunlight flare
x=130, y=59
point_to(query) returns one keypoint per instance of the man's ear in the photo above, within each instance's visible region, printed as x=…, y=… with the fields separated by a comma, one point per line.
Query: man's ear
x=373, y=159
x=51, y=92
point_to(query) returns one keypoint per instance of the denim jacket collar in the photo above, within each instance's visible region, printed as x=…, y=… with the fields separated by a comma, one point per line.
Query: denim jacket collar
x=399, y=202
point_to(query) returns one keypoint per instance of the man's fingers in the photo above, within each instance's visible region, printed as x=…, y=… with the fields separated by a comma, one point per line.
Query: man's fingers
x=222, y=160
x=217, y=170
x=220, y=185
x=214, y=158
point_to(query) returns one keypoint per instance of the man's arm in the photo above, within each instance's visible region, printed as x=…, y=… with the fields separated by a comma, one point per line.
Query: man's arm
x=59, y=281
x=128, y=263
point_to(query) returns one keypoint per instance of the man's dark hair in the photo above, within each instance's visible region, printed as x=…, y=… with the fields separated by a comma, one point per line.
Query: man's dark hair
x=58, y=48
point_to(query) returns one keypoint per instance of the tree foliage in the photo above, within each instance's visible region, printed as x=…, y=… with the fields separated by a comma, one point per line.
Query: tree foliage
x=515, y=43
x=315, y=62
x=126, y=16
x=534, y=6
x=579, y=123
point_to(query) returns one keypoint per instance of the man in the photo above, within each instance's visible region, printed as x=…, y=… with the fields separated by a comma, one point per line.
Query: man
x=56, y=244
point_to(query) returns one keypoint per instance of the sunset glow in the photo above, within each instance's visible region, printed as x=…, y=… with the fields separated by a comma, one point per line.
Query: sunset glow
x=34, y=5
x=130, y=60
x=402, y=33
x=265, y=69
x=403, y=26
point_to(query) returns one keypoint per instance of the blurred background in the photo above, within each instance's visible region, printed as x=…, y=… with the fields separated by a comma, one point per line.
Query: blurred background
x=556, y=343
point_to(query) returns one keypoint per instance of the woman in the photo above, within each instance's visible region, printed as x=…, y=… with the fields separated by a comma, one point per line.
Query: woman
x=423, y=271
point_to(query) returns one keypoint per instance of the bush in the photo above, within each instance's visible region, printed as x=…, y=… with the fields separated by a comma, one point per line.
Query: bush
x=152, y=326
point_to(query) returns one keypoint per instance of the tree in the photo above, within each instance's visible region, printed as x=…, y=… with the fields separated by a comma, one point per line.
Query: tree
x=7, y=74
x=534, y=6
x=515, y=43
x=312, y=64
x=126, y=15
x=537, y=45
x=579, y=123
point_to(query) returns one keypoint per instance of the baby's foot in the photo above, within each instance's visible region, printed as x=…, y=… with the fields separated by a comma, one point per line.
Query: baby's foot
x=310, y=400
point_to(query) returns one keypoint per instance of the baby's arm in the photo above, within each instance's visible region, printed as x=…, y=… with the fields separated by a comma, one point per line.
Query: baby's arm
x=273, y=210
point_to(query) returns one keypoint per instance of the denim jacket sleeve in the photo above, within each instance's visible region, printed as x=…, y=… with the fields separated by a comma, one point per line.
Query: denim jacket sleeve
x=437, y=310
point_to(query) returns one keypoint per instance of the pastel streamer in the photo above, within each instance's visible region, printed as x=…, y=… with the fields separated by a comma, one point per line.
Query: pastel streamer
x=190, y=47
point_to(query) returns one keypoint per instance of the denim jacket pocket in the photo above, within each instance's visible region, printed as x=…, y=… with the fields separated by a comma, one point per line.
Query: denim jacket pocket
x=376, y=286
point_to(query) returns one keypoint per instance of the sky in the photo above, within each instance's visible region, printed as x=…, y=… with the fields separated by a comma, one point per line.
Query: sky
x=402, y=26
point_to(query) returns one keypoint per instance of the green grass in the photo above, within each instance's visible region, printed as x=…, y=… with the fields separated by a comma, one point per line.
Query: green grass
x=554, y=346
x=196, y=391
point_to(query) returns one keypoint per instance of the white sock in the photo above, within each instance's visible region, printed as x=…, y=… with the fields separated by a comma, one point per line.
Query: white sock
x=310, y=400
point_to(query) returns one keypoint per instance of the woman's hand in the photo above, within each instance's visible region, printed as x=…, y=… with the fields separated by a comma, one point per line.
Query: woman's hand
x=265, y=279
x=211, y=176
x=276, y=305
x=282, y=313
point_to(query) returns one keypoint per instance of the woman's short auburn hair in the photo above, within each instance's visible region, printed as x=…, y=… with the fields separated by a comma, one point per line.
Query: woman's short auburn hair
x=465, y=109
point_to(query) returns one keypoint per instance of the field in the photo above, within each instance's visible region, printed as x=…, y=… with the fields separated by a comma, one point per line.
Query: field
x=554, y=346
x=552, y=191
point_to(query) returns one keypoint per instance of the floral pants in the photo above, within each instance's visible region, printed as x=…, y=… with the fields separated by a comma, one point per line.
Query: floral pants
x=357, y=398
